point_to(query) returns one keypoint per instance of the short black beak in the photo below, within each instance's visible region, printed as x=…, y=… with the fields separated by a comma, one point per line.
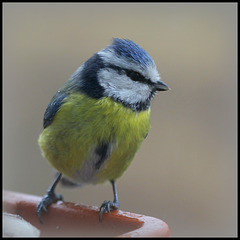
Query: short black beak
x=161, y=86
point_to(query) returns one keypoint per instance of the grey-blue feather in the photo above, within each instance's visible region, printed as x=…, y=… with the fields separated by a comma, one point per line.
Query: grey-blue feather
x=53, y=107
x=129, y=49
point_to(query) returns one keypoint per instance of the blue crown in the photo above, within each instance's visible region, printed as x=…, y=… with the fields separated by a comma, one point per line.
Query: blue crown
x=129, y=49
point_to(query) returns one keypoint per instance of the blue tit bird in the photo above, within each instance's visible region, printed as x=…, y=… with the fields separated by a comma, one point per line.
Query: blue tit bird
x=96, y=122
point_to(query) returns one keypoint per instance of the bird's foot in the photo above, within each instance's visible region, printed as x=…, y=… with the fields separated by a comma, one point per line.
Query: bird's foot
x=108, y=206
x=47, y=200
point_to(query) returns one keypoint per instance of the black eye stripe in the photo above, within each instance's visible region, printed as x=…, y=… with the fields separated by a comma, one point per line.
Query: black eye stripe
x=135, y=76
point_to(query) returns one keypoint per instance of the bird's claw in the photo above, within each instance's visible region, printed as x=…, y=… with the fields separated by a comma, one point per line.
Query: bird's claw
x=107, y=206
x=47, y=200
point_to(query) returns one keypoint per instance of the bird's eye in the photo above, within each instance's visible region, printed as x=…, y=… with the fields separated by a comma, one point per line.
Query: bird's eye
x=135, y=76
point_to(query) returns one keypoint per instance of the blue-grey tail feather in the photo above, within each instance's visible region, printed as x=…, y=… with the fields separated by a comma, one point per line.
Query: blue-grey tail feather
x=65, y=182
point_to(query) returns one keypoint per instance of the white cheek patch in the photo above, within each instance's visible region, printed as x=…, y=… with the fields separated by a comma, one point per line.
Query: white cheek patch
x=120, y=86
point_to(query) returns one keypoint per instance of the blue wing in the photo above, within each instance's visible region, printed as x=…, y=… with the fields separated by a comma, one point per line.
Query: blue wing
x=53, y=107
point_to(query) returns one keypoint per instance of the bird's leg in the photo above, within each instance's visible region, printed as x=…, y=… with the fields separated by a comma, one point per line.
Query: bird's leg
x=108, y=206
x=49, y=198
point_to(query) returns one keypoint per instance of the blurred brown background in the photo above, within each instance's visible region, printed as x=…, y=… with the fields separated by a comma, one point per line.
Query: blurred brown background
x=185, y=171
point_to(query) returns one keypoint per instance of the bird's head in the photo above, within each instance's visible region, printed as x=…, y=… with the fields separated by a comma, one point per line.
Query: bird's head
x=122, y=71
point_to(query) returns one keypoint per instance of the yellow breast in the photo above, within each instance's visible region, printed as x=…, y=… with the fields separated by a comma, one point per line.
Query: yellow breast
x=81, y=124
